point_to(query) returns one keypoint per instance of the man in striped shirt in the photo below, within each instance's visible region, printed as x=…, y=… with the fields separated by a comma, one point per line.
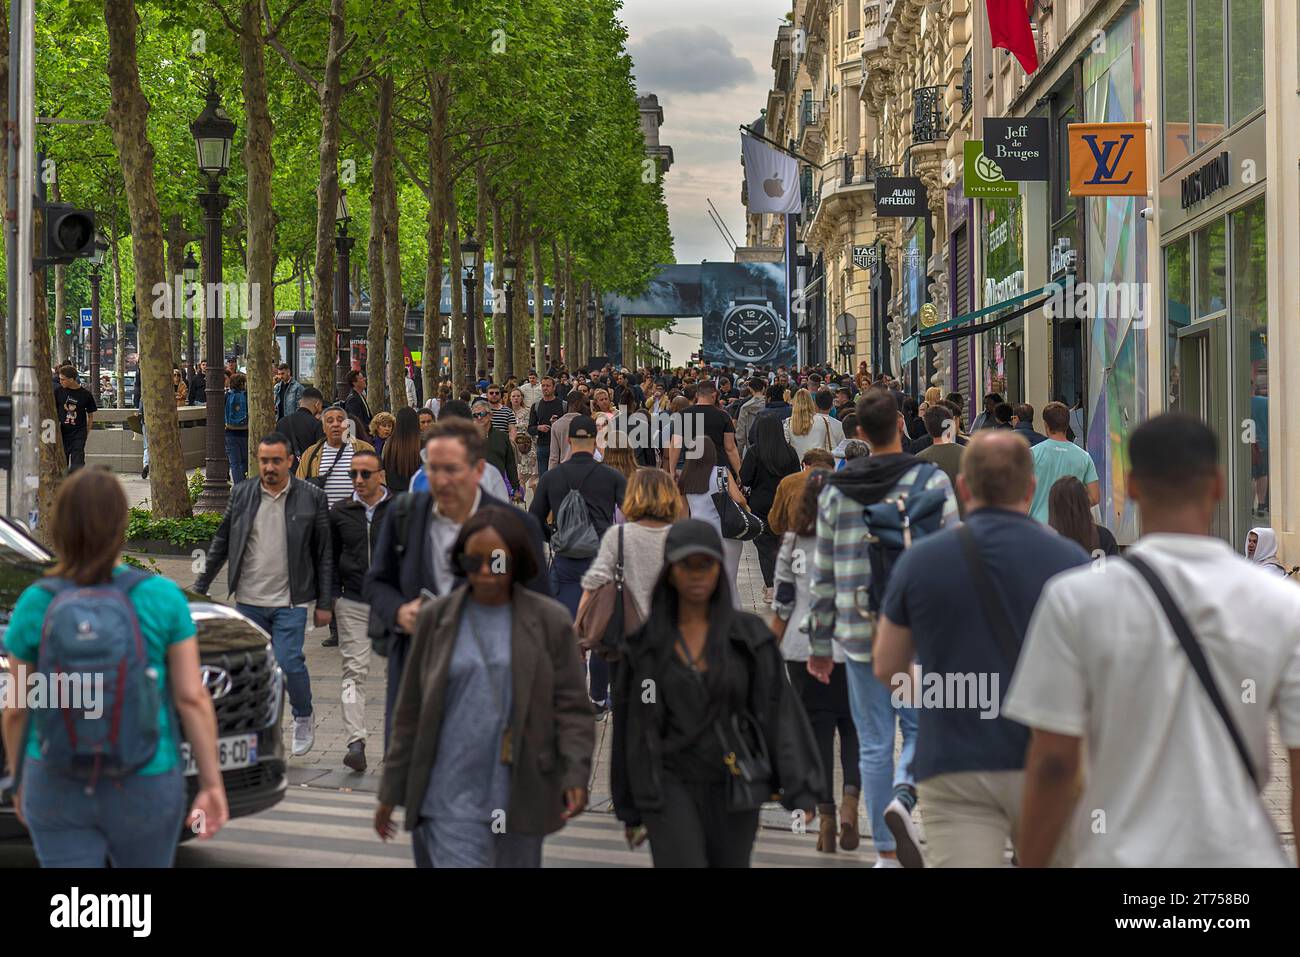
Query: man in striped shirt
x=503, y=418
x=326, y=463
x=841, y=582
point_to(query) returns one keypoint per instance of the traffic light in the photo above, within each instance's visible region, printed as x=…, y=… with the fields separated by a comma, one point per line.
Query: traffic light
x=69, y=328
x=6, y=432
x=69, y=234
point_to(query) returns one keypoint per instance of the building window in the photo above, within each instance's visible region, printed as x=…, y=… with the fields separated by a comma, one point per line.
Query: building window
x=1213, y=66
x=1249, y=319
x=1178, y=306
x=1211, y=269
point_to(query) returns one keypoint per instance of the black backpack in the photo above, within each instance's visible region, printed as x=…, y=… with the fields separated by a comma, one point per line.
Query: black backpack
x=894, y=525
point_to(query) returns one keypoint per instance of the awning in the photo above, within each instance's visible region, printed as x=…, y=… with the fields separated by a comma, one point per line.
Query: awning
x=909, y=349
x=1001, y=312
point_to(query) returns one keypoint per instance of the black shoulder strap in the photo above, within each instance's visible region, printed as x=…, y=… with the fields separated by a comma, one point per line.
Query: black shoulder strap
x=994, y=611
x=1192, y=648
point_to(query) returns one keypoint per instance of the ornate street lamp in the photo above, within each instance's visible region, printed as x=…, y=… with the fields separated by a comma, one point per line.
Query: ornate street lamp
x=213, y=133
x=469, y=262
x=508, y=267
x=343, y=246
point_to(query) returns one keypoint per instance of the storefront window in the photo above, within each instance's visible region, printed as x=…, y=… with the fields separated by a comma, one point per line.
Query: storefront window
x=1249, y=318
x=1211, y=269
x=306, y=371
x=1002, y=238
x=1246, y=46
x=1178, y=306
x=1177, y=89
x=1208, y=35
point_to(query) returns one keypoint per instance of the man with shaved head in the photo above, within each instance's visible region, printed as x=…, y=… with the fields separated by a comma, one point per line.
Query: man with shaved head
x=959, y=602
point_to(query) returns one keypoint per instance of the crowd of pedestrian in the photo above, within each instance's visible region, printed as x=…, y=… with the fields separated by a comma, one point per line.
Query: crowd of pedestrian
x=945, y=617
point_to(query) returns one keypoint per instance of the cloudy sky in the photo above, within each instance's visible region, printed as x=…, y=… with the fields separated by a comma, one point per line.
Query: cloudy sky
x=710, y=62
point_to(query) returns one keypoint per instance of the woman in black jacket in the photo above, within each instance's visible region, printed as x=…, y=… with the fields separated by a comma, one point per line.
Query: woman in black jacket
x=766, y=462
x=706, y=728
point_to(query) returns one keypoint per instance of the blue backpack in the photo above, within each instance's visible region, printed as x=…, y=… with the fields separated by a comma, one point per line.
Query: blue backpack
x=236, y=408
x=893, y=526
x=93, y=632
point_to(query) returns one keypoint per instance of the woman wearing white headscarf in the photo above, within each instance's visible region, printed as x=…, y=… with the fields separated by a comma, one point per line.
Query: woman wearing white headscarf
x=1261, y=548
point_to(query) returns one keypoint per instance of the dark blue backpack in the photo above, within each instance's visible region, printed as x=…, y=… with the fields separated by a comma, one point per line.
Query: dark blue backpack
x=894, y=526
x=93, y=632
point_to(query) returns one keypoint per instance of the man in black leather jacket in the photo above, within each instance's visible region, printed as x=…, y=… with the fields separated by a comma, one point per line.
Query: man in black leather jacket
x=276, y=537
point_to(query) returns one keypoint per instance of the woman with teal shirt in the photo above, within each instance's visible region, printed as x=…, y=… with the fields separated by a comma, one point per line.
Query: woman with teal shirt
x=134, y=820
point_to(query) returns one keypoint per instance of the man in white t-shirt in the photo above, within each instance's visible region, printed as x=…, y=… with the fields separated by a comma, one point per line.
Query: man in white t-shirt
x=1164, y=785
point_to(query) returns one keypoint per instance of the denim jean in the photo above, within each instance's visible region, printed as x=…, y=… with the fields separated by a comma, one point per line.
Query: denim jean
x=133, y=822
x=144, y=438
x=543, y=459
x=566, y=581
x=287, y=627
x=874, y=716
x=237, y=454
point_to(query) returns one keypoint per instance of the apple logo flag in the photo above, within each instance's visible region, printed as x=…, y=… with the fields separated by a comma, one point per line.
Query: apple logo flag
x=771, y=178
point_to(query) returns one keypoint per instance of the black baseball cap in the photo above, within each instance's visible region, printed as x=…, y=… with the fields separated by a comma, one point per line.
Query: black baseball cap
x=582, y=427
x=692, y=537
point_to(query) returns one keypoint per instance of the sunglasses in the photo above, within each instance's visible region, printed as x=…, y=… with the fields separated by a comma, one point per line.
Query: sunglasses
x=480, y=415
x=470, y=564
x=363, y=474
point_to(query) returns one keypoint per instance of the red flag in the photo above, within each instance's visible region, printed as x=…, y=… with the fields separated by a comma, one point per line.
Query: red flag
x=1009, y=28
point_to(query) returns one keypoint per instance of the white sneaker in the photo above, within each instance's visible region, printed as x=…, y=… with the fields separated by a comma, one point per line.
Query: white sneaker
x=304, y=736
x=906, y=836
x=886, y=862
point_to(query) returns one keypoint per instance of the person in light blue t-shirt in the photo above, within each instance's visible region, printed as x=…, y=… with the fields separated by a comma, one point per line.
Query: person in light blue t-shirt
x=1057, y=458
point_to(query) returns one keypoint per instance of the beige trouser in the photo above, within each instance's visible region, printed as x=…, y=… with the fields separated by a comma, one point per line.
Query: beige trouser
x=970, y=815
x=354, y=646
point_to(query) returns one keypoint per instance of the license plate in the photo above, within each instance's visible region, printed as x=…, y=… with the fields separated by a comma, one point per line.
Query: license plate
x=236, y=751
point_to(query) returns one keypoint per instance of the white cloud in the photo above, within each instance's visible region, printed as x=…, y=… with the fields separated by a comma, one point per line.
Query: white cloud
x=705, y=105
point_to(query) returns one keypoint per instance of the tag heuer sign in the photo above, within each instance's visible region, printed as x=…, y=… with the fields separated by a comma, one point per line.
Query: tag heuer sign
x=1018, y=145
x=901, y=196
x=863, y=257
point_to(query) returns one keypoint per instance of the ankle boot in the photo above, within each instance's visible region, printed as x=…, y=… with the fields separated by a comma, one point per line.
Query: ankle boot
x=826, y=828
x=849, y=836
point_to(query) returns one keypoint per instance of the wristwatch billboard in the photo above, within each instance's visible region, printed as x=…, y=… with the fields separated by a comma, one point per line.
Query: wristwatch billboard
x=751, y=329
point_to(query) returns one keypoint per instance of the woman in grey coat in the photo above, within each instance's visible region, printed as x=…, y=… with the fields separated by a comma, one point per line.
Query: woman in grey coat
x=493, y=731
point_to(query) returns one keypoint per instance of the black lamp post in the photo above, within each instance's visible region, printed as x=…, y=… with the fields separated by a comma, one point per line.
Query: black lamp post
x=213, y=133
x=343, y=246
x=508, y=267
x=190, y=271
x=96, y=268
x=469, y=262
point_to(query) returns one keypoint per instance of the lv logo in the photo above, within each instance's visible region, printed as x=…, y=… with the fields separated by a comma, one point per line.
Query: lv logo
x=1106, y=165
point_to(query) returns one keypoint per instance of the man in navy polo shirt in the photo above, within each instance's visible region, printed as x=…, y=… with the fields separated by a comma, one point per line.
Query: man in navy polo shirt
x=964, y=619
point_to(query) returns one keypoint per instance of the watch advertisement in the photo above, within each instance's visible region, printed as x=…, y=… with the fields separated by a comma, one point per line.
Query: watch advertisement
x=744, y=314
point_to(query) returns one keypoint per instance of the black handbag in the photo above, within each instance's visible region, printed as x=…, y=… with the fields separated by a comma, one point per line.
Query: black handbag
x=736, y=523
x=744, y=752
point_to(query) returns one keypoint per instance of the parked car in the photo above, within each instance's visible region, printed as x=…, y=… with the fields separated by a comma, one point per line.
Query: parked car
x=239, y=670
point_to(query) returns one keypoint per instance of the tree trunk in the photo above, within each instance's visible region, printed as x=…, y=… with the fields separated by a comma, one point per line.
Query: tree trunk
x=128, y=117
x=6, y=373
x=51, y=460
x=571, y=309
x=459, y=378
x=584, y=325
x=259, y=165
x=539, y=289
x=476, y=307
x=393, y=276
x=119, y=324
x=498, y=289
x=177, y=238
x=557, y=291
x=327, y=198
x=519, y=308
x=431, y=348
x=375, y=264
x=376, y=340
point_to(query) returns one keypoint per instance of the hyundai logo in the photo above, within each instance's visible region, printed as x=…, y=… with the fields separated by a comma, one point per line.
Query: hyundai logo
x=216, y=680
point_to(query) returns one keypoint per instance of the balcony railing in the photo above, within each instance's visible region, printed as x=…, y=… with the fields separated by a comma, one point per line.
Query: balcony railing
x=858, y=168
x=928, y=124
x=809, y=114
x=967, y=83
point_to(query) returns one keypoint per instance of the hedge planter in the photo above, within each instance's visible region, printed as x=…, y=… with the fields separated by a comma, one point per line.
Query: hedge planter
x=158, y=546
